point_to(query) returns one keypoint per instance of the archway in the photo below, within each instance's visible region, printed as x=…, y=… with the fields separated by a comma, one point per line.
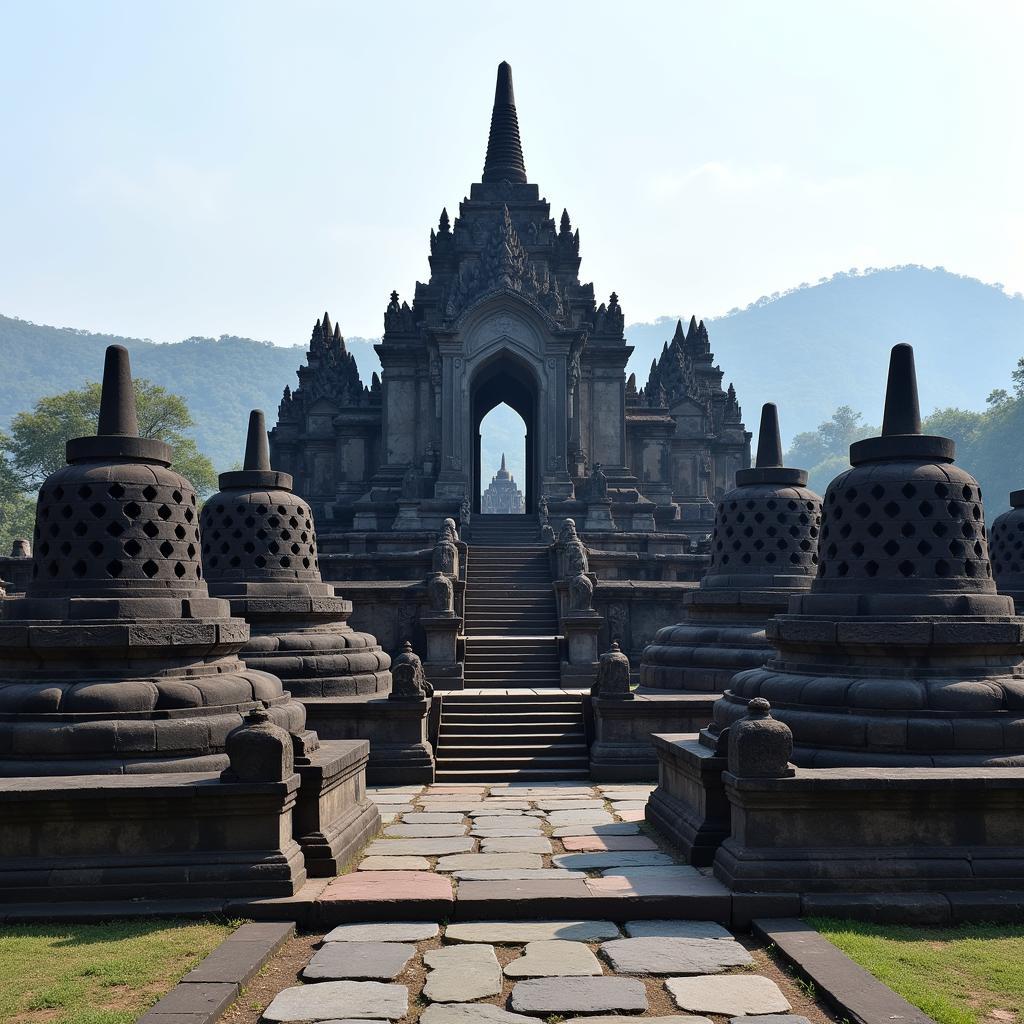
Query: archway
x=505, y=380
x=502, y=461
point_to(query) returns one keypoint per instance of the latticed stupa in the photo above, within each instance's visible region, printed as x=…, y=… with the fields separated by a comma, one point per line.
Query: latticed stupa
x=502, y=496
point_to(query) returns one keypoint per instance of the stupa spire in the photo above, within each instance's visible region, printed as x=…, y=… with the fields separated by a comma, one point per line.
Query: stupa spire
x=504, y=160
x=769, y=439
x=117, y=400
x=902, y=409
x=503, y=462
x=257, y=447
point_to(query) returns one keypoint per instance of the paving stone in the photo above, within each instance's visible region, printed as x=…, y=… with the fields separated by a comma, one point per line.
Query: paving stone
x=389, y=887
x=424, y=831
x=482, y=861
x=365, y=960
x=587, y=817
x=616, y=1019
x=391, y=798
x=507, y=821
x=394, y=808
x=392, y=931
x=515, y=933
x=576, y=995
x=419, y=847
x=616, y=829
x=677, y=930
x=618, y=806
x=432, y=818
x=462, y=807
x=517, y=844
x=578, y=804
x=522, y=832
x=461, y=973
x=631, y=815
x=771, y=1018
x=394, y=864
x=729, y=994
x=620, y=859
x=657, y=885
x=472, y=1013
x=660, y=955
x=386, y=819
x=609, y=843
x=494, y=806
x=550, y=958
x=637, y=871
x=513, y=874
x=332, y=1000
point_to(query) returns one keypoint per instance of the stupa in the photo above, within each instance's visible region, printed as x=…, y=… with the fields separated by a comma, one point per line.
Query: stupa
x=260, y=553
x=1006, y=546
x=764, y=549
x=902, y=652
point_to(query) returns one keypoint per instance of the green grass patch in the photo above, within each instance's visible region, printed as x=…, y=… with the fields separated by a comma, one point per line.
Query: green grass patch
x=972, y=974
x=97, y=973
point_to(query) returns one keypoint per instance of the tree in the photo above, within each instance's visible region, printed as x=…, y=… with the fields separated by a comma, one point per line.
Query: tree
x=35, y=446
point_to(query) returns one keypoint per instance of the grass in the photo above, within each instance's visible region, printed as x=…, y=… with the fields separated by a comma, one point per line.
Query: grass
x=972, y=974
x=97, y=973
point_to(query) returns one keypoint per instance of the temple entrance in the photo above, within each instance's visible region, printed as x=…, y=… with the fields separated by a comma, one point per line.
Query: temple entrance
x=503, y=386
x=502, y=462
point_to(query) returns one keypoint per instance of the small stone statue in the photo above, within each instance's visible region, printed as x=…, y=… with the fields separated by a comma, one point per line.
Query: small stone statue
x=449, y=531
x=465, y=511
x=542, y=509
x=410, y=484
x=259, y=750
x=446, y=558
x=612, y=681
x=598, y=484
x=442, y=594
x=408, y=681
x=760, y=746
x=581, y=593
x=547, y=535
x=21, y=549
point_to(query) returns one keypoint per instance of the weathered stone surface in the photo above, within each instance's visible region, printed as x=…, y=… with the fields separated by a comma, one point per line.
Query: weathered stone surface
x=771, y=1018
x=393, y=931
x=575, y=995
x=394, y=864
x=677, y=930
x=507, y=821
x=482, y=861
x=331, y=1000
x=461, y=973
x=389, y=808
x=516, y=844
x=424, y=831
x=589, y=817
x=624, y=858
x=500, y=807
x=628, y=805
x=514, y=874
x=359, y=961
x=549, y=958
x=389, y=886
x=730, y=994
x=654, y=871
x=579, y=804
x=616, y=1019
x=419, y=847
x=472, y=1013
x=608, y=843
x=660, y=955
x=638, y=815
x=616, y=829
x=517, y=932
x=429, y=818
x=384, y=791
x=505, y=833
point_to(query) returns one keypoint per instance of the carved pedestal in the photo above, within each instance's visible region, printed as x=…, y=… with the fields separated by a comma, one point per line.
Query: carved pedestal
x=441, y=665
x=408, y=517
x=581, y=631
x=599, y=517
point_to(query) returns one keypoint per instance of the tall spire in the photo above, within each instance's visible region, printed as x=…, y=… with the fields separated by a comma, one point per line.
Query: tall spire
x=503, y=462
x=769, y=440
x=902, y=409
x=257, y=450
x=504, y=161
x=117, y=399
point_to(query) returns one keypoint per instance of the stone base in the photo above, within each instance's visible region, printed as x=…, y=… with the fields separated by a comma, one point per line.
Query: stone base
x=623, y=746
x=599, y=517
x=689, y=806
x=863, y=830
x=171, y=836
x=445, y=677
x=333, y=819
x=400, y=752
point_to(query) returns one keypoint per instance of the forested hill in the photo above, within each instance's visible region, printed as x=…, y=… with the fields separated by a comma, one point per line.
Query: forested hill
x=819, y=347
x=810, y=350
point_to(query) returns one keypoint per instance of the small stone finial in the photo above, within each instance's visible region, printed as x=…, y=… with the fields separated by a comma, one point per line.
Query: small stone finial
x=565, y=225
x=612, y=676
x=902, y=410
x=259, y=750
x=443, y=223
x=503, y=462
x=21, y=548
x=328, y=330
x=408, y=681
x=257, y=446
x=760, y=746
x=769, y=439
x=680, y=335
x=117, y=400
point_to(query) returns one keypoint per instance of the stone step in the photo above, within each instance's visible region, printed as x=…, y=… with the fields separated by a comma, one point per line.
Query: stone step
x=533, y=774
x=558, y=699
x=473, y=740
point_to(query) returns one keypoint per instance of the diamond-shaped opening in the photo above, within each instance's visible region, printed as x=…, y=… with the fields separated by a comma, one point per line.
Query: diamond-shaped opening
x=225, y=548
x=260, y=561
x=805, y=545
x=98, y=510
x=132, y=548
x=906, y=567
x=863, y=510
x=189, y=515
x=891, y=547
x=294, y=523
x=967, y=529
x=909, y=490
x=149, y=492
x=249, y=547
x=273, y=547
x=851, y=494
x=273, y=522
x=80, y=529
x=176, y=495
x=940, y=529
x=942, y=490
x=95, y=549
x=301, y=511
x=65, y=548
x=67, y=512
x=249, y=521
x=58, y=493
x=745, y=559
x=261, y=534
x=167, y=549
x=907, y=529
x=179, y=570
x=150, y=568
x=131, y=510
x=976, y=512
x=261, y=510
x=115, y=529
x=115, y=490
x=891, y=509
x=282, y=511
x=150, y=529
x=53, y=569
x=235, y=562
x=871, y=568
x=748, y=532
x=971, y=568
x=924, y=547
x=956, y=548
x=857, y=549
x=114, y=568
x=164, y=512
x=79, y=568
x=979, y=549
x=180, y=532
x=925, y=508
x=286, y=534
x=191, y=551
x=876, y=529
x=782, y=544
x=769, y=558
x=85, y=491
x=54, y=530
x=878, y=491
x=967, y=493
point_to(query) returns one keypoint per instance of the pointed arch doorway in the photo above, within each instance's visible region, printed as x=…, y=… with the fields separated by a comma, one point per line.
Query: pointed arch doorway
x=505, y=379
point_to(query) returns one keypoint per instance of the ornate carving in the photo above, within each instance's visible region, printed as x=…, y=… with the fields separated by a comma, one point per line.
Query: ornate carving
x=441, y=593
x=409, y=682
x=612, y=681
x=581, y=593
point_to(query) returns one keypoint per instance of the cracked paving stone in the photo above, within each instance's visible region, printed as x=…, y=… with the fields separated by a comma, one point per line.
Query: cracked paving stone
x=549, y=958
x=728, y=994
x=505, y=833
x=459, y=974
x=359, y=961
x=578, y=995
x=515, y=933
x=334, y=1000
x=660, y=955
x=483, y=861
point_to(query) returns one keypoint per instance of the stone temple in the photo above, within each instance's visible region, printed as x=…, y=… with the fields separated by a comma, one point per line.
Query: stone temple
x=504, y=317
x=502, y=496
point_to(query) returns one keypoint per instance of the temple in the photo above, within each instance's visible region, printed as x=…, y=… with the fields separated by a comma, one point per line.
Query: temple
x=504, y=317
x=502, y=496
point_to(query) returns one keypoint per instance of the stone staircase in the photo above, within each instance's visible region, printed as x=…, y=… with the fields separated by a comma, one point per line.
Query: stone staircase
x=527, y=728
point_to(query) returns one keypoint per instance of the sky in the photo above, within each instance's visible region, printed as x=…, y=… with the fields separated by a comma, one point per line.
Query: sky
x=202, y=168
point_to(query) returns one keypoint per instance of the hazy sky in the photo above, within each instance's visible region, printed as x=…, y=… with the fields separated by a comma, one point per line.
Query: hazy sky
x=180, y=168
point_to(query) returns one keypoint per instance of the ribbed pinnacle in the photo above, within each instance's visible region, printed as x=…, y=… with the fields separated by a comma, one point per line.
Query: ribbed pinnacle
x=117, y=399
x=257, y=447
x=504, y=160
x=769, y=440
x=902, y=410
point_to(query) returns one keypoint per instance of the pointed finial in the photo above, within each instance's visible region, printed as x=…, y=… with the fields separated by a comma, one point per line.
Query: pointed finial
x=503, y=461
x=679, y=335
x=257, y=448
x=769, y=439
x=328, y=330
x=117, y=400
x=565, y=226
x=691, y=331
x=443, y=223
x=902, y=411
x=337, y=332
x=504, y=160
